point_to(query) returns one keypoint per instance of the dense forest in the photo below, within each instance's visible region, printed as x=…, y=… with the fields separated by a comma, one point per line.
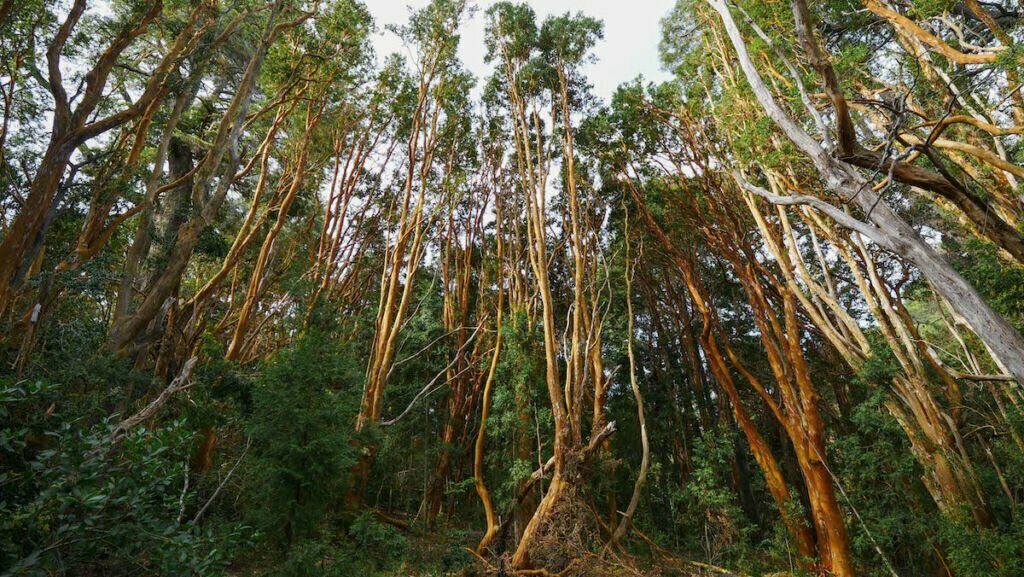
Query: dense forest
x=272, y=303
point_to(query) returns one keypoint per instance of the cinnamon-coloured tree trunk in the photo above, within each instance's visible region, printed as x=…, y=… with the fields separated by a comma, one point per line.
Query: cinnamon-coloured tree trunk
x=73, y=127
x=479, y=446
x=129, y=325
x=774, y=477
x=414, y=220
x=257, y=277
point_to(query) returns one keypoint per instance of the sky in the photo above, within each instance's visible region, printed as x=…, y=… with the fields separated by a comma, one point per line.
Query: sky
x=632, y=30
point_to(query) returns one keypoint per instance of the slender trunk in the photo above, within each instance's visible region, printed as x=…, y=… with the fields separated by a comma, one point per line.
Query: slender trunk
x=627, y=517
x=481, y=438
x=774, y=478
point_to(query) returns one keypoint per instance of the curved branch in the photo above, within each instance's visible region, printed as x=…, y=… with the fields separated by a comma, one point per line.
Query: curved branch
x=907, y=25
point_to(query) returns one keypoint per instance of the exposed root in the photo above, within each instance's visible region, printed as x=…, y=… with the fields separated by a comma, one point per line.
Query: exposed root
x=546, y=573
x=567, y=534
x=392, y=520
x=568, y=543
x=488, y=567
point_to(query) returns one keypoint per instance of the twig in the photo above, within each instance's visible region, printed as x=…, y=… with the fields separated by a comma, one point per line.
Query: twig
x=179, y=383
x=195, y=520
x=430, y=386
x=184, y=492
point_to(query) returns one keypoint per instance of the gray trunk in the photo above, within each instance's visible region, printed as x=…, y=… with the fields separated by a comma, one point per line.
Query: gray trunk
x=883, y=226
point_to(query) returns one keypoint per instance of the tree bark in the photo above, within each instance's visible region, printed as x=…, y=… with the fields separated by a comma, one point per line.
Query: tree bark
x=883, y=226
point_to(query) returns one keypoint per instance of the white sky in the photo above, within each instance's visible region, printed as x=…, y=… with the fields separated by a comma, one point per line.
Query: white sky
x=632, y=30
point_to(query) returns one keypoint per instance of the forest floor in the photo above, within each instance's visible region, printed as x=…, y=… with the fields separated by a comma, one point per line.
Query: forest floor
x=444, y=553
x=427, y=555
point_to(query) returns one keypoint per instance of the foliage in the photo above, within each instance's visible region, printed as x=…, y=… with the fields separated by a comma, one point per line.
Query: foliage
x=302, y=451
x=708, y=509
x=70, y=500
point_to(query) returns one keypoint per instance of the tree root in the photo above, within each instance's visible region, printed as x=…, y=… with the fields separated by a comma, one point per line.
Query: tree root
x=546, y=573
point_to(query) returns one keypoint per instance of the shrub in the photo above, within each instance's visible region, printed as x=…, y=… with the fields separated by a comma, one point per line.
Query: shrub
x=302, y=440
x=71, y=502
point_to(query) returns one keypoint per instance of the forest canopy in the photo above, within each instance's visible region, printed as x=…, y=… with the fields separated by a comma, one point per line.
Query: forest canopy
x=275, y=304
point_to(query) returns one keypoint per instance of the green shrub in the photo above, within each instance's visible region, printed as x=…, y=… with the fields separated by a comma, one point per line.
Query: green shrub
x=300, y=428
x=380, y=546
x=70, y=502
x=316, y=558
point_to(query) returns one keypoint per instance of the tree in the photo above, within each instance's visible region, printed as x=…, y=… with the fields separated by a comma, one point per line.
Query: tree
x=882, y=224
